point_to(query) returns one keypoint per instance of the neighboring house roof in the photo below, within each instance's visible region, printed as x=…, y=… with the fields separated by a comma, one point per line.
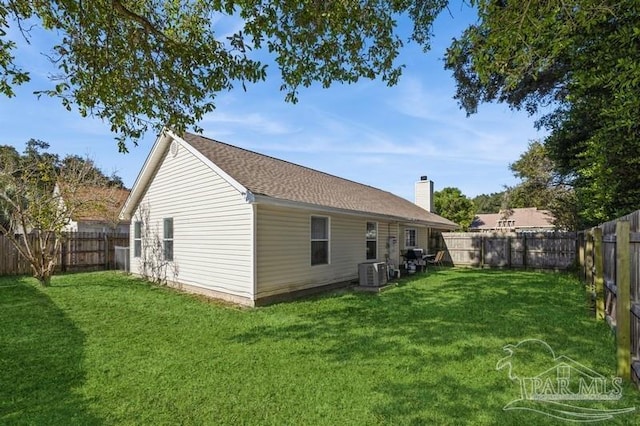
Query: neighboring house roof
x=522, y=218
x=100, y=204
x=268, y=179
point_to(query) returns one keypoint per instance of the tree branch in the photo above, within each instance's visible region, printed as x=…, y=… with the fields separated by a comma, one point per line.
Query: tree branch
x=144, y=22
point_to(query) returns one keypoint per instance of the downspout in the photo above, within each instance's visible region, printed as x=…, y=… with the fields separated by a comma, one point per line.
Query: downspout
x=254, y=238
x=250, y=199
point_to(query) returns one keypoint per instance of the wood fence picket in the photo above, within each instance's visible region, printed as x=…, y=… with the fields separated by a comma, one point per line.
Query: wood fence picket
x=81, y=251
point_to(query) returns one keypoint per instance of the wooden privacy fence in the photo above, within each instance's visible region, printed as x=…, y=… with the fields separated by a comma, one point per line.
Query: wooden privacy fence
x=609, y=257
x=545, y=250
x=81, y=251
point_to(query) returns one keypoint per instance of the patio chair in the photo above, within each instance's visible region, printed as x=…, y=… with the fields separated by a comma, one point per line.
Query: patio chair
x=437, y=261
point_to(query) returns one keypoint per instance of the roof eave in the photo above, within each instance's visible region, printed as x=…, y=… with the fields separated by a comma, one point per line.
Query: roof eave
x=265, y=199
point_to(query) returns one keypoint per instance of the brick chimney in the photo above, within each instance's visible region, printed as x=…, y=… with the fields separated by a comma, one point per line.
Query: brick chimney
x=424, y=193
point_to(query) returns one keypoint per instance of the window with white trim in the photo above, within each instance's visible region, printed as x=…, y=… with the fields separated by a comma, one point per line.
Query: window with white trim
x=319, y=240
x=410, y=238
x=137, y=238
x=372, y=240
x=168, y=238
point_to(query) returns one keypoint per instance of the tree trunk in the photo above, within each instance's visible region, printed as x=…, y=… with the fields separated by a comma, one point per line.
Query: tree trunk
x=44, y=262
x=44, y=277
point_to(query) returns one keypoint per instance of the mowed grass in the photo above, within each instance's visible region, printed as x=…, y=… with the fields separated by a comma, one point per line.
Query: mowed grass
x=104, y=348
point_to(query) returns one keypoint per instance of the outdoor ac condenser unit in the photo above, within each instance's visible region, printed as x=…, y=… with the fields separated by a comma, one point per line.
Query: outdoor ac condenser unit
x=373, y=274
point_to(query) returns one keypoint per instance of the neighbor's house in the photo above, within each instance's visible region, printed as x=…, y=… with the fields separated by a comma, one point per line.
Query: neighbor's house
x=528, y=219
x=100, y=211
x=250, y=228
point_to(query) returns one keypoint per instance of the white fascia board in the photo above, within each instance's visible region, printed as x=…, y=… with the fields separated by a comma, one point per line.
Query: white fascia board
x=146, y=174
x=224, y=175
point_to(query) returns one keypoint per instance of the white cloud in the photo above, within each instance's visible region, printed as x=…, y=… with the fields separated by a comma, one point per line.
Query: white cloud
x=495, y=135
x=258, y=122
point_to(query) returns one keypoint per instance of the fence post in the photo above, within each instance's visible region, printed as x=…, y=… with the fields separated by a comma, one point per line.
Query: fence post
x=599, y=278
x=107, y=262
x=63, y=254
x=623, y=311
x=524, y=250
x=589, y=260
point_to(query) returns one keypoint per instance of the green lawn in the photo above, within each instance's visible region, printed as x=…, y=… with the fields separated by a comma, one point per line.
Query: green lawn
x=103, y=348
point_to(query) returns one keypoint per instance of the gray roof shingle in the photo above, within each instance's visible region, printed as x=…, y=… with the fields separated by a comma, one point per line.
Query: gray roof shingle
x=282, y=180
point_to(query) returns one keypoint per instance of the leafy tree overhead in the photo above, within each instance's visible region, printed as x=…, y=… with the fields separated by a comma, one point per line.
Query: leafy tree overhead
x=141, y=63
x=578, y=63
x=38, y=196
x=452, y=204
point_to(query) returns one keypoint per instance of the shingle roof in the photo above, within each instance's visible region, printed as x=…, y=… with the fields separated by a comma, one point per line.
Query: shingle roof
x=282, y=180
x=99, y=203
x=529, y=217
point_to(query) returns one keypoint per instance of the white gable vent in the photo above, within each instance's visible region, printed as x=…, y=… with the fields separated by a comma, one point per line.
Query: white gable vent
x=174, y=148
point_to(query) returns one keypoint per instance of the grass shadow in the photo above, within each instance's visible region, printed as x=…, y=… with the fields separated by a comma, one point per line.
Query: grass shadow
x=41, y=354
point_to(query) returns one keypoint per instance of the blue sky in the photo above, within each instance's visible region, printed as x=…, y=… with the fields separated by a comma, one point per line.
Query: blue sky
x=368, y=132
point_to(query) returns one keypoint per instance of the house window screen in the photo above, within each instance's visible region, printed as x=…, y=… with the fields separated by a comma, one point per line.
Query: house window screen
x=137, y=239
x=372, y=240
x=319, y=240
x=410, y=238
x=168, y=239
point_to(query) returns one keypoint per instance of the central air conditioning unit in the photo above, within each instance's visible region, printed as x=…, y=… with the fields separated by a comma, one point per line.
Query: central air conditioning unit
x=373, y=274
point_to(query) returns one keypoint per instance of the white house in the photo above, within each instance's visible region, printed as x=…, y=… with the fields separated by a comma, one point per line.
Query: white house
x=250, y=228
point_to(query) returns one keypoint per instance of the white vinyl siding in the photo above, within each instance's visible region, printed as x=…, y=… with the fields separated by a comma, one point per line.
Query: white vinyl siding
x=213, y=233
x=284, y=249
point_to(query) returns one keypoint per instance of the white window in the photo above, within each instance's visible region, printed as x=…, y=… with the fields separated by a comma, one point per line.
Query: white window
x=137, y=239
x=319, y=240
x=168, y=239
x=372, y=240
x=410, y=238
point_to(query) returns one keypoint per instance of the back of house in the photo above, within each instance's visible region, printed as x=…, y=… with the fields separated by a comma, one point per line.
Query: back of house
x=234, y=224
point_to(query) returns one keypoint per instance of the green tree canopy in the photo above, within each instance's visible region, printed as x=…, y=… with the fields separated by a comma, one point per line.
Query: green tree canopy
x=577, y=62
x=142, y=63
x=452, y=204
x=488, y=203
x=543, y=187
